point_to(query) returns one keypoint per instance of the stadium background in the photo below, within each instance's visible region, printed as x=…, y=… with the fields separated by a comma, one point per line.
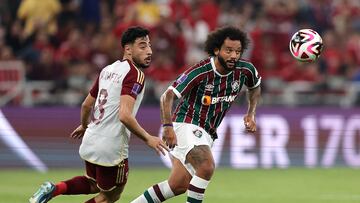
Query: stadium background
x=309, y=119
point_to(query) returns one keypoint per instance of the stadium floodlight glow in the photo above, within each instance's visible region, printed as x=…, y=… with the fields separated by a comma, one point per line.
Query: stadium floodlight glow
x=10, y=137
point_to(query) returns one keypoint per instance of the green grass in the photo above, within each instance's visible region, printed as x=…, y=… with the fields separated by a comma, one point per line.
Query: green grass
x=336, y=185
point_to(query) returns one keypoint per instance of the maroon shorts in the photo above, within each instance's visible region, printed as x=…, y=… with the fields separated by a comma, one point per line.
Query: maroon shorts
x=107, y=178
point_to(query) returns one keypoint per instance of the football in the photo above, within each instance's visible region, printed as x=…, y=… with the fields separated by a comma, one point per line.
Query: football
x=306, y=45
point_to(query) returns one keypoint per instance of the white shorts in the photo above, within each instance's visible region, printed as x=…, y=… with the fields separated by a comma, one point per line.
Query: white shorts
x=188, y=136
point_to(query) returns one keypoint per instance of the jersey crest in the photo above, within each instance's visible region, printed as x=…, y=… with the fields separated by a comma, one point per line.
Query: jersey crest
x=235, y=86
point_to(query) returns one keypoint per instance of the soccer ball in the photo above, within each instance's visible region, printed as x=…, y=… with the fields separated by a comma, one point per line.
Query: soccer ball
x=306, y=45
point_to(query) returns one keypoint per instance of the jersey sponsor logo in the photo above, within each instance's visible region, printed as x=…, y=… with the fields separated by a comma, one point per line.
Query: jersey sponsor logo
x=136, y=89
x=209, y=87
x=235, y=86
x=181, y=79
x=198, y=133
x=207, y=100
x=230, y=98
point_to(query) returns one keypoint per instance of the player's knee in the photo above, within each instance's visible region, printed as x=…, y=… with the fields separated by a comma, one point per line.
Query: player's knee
x=206, y=169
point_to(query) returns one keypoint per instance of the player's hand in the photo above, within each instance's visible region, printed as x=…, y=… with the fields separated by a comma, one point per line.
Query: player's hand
x=78, y=132
x=169, y=137
x=249, y=122
x=157, y=144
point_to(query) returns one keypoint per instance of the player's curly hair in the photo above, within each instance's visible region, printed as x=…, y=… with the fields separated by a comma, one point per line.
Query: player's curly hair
x=132, y=33
x=216, y=39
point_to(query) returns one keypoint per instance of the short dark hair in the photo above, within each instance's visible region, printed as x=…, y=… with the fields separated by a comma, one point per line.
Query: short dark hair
x=132, y=33
x=216, y=38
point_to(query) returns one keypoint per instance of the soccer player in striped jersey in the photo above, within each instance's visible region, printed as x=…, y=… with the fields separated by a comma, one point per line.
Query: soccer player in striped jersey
x=114, y=98
x=207, y=91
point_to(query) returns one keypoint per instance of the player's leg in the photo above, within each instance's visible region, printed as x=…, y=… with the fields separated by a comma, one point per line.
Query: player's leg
x=111, y=182
x=179, y=178
x=177, y=184
x=110, y=196
x=76, y=185
x=200, y=157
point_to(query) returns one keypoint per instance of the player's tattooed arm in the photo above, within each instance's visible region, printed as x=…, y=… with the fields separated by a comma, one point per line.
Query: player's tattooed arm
x=253, y=99
x=166, y=103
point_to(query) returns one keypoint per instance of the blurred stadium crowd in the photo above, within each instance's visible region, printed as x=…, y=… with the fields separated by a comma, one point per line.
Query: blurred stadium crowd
x=63, y=44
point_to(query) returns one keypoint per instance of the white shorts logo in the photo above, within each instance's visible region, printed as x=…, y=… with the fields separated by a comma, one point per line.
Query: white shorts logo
x=197, y=133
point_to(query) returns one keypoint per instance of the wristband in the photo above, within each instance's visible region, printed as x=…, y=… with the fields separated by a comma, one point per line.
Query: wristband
x=167, y=125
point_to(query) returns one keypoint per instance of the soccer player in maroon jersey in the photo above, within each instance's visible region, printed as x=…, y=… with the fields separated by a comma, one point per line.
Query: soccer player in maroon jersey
x=207, y=91
x=113, y=100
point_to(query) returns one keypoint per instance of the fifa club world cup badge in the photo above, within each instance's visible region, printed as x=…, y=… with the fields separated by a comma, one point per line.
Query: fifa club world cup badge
x=181, y=79
x=197, y=133
x=136, y=89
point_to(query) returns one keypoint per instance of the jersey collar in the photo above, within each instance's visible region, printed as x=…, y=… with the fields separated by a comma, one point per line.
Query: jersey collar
x=214, y=68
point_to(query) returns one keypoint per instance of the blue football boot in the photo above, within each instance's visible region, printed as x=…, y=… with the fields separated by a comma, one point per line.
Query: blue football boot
x=44, y=193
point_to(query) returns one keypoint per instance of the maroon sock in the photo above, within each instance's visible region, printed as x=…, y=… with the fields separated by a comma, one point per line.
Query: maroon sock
x=91, y=200
x=60, y=188
x=77, y=185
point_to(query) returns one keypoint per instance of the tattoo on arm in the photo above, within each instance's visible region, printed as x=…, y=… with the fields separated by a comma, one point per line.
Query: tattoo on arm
x=166, y=103
x=253, y=98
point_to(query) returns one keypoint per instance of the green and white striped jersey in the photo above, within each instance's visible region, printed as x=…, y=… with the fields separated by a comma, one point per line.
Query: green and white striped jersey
x=207, y=95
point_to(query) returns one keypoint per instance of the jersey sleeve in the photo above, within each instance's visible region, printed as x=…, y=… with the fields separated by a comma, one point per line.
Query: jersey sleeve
x=133, y=82
x=185, y=82
x=253, y=79
x=95, y=88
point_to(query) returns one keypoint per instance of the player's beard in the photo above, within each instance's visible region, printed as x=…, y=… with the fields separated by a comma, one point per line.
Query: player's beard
x=140, y=64
x=223, y=64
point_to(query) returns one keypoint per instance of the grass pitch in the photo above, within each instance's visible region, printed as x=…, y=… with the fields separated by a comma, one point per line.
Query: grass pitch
x=336, y=185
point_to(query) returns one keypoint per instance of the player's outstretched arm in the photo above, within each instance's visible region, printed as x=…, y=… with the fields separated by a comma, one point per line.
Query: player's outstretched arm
x=249, y=118
x=130, y=122
x=86, y=107
x=166, y=103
